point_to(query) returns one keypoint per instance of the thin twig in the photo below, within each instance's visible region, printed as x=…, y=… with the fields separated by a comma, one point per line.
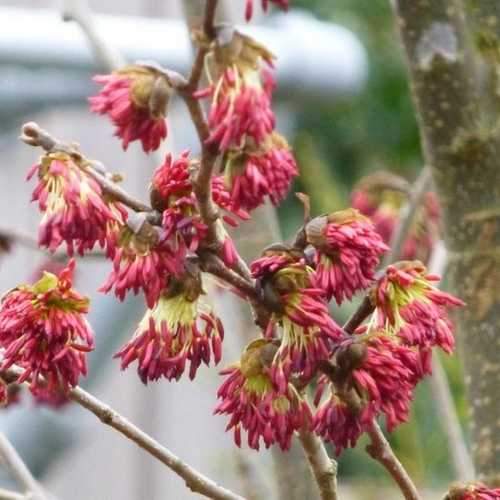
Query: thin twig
x=421, y=186
x=380, y=449
x=443, y=398
x=18, y=468
x=195, y=480
x=79, y=12
x=323, y=467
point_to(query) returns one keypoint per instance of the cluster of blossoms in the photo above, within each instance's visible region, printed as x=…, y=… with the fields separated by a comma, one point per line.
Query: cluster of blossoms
x=179, y=328
x=135, y=98
x=381, y=196
x=256, y=405
x=347, y=252
x=75, y=209
x=473, y=491
x=258, y=163
x=44, y=331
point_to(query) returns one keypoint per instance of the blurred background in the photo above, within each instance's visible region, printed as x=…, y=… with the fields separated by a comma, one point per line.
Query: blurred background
x=343, y=102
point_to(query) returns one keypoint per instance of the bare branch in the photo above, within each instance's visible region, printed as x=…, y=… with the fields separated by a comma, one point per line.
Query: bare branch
x=421, y=186
x=380, y=449
x=19, y=470
x=13, y=495
x=323, y=467
x=195, y=480
x=79, y=12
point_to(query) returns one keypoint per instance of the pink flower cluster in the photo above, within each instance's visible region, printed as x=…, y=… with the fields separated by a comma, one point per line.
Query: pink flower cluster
x=411, y=307
x=135, y=98
x=348, y=251
x=383, y=384
x=257, y=160
x=179, y=329
x=75, y=210
x=44, y=331
x=256, y=406
x=473, y=491
x=306, y=329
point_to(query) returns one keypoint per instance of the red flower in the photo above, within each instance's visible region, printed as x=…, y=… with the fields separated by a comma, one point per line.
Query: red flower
x=136, y=99
x=222, y=198
x=267, y=171
x=382, y=382
x=74, y=208
x=142, y=261
x=473, y=491
x=256, y=406
x=348, y=252
x=302, y=318
x=387, y=377
x=43, y=330
x=282, y=4
x=172, y=180
x=241, y=95
x=179, y=329
x=410, y=306
x=335, y=422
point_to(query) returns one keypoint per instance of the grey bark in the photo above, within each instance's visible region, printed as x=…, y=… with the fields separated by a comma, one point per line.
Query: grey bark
x=460, y=139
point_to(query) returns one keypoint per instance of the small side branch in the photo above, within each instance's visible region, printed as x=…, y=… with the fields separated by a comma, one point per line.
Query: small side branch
x=421, y=186
x=380, y=450
x=79, y=12
x=323, y=467
x=19, y=470
x=195, y=480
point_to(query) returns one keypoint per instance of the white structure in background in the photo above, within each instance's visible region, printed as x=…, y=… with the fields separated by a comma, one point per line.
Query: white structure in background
x=315, y=58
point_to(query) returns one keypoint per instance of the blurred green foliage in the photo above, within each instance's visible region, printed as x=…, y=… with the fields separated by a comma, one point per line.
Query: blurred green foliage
x=336, y=144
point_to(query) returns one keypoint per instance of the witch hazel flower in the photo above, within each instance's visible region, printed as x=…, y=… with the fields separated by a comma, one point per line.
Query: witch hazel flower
x=306, y=328
x=135, y=98
x=249, y=396
x=179, y=330
x=380, y=383
x=337, y=423
x=142, y=261
x=473, y=491
x=256, y=173
x=232, y=212
x=43, y=330
x=241, y=94
x=409, y=305
x=75, y=209
x=348, y=251
x=249, y=8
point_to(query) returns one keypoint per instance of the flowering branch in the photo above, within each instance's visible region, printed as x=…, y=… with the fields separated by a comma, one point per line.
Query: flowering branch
x=19, y=470
x=323, y=467
x=33, y=135
x=195, y=480
x=380, y=449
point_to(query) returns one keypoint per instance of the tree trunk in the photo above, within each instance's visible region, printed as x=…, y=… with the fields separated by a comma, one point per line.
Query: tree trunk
x=461, y=143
